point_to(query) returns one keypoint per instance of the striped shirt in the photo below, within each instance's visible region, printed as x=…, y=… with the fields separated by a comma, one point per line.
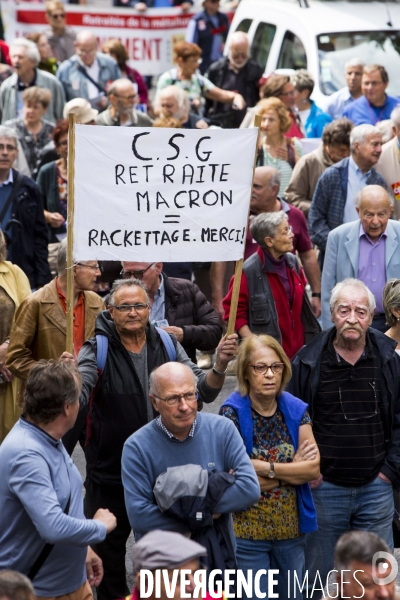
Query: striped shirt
x=346, y=421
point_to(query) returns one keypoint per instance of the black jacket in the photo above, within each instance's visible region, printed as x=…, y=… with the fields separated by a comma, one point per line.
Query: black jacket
x=252, y=72
x=305, y=380
x=29, y=236
x=187, y=307
x=118, y=405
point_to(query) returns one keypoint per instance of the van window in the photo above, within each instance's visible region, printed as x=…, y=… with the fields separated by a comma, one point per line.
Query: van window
x=293, y=54
x=244, y=25
x=379, y=47
x=262, y=43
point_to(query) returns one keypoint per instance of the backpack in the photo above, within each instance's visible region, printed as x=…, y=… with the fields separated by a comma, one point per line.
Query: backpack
x=102, y=348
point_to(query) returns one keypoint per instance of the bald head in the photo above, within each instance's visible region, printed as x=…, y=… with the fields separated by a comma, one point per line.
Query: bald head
x=122, y=95
x=374, y=207
x=86, y=46
x=266, y=184
x=239, y=50
x=168, y=375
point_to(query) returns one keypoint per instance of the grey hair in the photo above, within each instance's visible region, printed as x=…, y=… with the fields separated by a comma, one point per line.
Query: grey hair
x=360, y=132
x=31, y=48
x=153, y=383
x=120, y=283
x=355, y=283
x=358, y=546
x=116, y=84
x=354, y=62
x=302, y=80
x=275, y=179
x=180, y=95
x=265, y=225
x=395, y=116
x=62, y=258
x=391, y=299
x=9, y=134
x=15, y=586
x=3, y=247
x=386, y=129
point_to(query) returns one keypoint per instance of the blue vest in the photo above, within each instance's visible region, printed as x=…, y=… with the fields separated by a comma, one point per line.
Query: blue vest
x=292, y=409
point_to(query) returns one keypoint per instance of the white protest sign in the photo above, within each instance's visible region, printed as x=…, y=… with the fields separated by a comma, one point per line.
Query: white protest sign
x=154, y=194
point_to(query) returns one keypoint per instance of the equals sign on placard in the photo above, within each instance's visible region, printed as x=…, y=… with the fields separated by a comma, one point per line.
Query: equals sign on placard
x=171, y=219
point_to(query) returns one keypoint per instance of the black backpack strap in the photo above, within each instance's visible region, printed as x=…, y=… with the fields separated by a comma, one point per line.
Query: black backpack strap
x=15, y=188
x=39, y=562
x=86, y=74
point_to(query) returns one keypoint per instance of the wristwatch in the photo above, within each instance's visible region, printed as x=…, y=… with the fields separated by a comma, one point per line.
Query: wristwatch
x=316, y=295
x=271, y=473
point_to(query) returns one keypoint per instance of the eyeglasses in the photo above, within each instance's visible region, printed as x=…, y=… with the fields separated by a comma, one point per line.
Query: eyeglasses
x=363, y=416
x=189, y=398
x=293, y=93
x=93, y=267
x=7, y=147
x=85, y=52
x=130, y=98
x=261, y=369
x=57, y=16
x=134, y=274
x=127, y=308
x=63, y=143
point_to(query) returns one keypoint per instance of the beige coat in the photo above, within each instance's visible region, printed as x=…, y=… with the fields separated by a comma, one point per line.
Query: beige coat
x=40, y=328
x=389, y=167
x=304, y=178
x=16, y=284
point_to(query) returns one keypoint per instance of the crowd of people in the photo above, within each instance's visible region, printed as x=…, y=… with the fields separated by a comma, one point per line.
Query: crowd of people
x=299, y=470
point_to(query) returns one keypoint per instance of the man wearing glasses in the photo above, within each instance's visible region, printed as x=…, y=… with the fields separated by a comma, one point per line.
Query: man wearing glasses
x=189, y=315
x=88, y=72
x=180, y=436
x=40, y=325
x=60, y=37
x=121, y=112
x=350, y=378
x=120, y=405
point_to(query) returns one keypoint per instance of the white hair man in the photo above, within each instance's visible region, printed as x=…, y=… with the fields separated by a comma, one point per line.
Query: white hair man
x=366, y=248
x=87, y=73
x=339, y=100
x=334, y=200
x=121, y=111
x=235, y=72
x=25, y=57
x=174, y=102
x=350, y=377
x=389, y=162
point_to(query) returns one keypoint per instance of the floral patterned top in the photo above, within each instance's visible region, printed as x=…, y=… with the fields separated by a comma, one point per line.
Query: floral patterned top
x=275, y=516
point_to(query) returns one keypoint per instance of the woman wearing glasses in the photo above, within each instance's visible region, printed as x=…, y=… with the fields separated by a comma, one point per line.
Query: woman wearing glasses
x=52, y=182
x=276, y=430
x=272, y=298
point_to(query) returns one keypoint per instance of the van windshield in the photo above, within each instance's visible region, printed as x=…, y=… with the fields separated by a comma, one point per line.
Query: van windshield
x=378, y=47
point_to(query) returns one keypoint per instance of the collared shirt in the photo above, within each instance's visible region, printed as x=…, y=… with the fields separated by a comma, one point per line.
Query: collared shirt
x=171, y=435
x=372, y=265
x=94, y=72
x=5, y=191
x=357, y=180
x=361, y=111
x=79, y=317
x=338, y=102
x=157, y=311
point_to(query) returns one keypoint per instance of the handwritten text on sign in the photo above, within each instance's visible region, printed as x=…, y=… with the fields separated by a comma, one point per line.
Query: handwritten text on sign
x=146, y=194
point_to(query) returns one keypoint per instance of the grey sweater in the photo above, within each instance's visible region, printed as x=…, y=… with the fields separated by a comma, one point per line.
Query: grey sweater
x=37, y=476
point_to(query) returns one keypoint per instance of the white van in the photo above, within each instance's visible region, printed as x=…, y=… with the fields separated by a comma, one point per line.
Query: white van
x=321, y=37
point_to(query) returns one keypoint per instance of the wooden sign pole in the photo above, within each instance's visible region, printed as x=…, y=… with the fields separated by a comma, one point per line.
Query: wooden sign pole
x=239, y=263
x=70, y=235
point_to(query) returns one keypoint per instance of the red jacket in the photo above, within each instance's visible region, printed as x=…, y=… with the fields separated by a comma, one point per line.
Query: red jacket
x=289, y=317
